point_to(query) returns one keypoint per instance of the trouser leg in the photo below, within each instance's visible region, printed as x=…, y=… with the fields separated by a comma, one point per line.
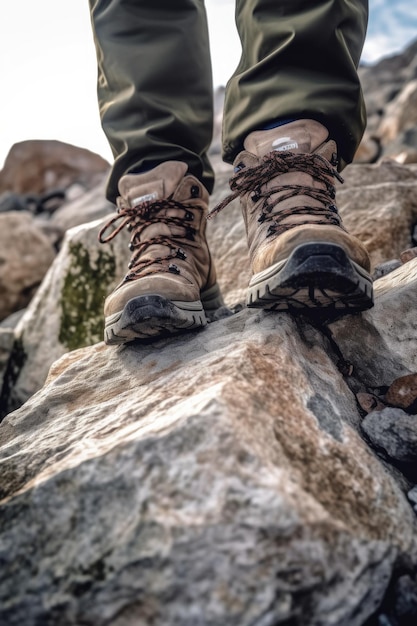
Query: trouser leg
x=154, y=84
x=299, y=60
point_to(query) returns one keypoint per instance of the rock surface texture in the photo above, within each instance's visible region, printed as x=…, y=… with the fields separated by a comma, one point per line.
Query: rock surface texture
x=25, y=257
x=390, y=94
x=260, y=472
x=38, y=166
x=215, y=478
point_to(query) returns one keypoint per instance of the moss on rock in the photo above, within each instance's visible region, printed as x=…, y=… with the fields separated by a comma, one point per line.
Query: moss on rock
x=84, y=290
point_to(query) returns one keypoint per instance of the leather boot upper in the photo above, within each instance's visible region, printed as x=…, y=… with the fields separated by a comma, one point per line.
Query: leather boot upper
x=285, y=179
x=165, y=210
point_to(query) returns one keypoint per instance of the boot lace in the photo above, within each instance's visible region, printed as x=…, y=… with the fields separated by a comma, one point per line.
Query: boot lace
x=137, y=219
x=253, y=180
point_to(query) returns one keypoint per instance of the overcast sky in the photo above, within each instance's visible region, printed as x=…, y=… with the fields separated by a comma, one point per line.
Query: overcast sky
x=48, y=66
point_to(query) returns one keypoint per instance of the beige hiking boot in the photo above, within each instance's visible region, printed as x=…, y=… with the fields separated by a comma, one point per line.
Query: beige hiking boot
x=171, y=283
x=302, y=257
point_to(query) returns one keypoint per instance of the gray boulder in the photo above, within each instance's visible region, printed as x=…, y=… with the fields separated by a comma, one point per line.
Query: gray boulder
x=215, y=478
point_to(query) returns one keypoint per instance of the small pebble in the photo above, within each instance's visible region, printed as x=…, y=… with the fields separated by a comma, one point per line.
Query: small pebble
x=408, y=255
x=402, y=393
x=369, y=402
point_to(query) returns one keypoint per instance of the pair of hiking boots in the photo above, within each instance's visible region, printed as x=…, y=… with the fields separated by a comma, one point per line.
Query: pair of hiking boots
x=302, y=258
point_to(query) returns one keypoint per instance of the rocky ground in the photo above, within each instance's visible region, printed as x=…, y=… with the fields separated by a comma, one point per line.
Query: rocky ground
x=260, y=472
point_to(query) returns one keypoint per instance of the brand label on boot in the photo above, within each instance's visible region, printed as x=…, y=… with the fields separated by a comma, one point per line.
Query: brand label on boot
x=146, y=198
x=284, y=143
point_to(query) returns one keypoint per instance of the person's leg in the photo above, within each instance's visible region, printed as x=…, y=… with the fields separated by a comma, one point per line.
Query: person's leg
x=154, y=84
x=295, y=109
x=299, y=61
x=156, y=104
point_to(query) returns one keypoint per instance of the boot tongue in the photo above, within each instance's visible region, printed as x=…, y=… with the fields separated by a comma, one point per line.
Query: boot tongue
x=161, y=182
x=157, y=184
x=301, y=136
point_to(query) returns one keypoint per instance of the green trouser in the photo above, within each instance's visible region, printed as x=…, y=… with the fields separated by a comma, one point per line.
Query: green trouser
x=299, y=60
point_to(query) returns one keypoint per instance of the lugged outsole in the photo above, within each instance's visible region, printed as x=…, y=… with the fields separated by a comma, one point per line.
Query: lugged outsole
x=152, y=316
x=316, y=277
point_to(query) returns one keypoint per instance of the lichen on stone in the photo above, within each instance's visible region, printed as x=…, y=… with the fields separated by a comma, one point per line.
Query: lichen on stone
x=84, y=290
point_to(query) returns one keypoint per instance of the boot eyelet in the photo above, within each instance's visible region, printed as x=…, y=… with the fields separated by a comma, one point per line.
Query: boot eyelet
x=189, y=216
x=181, y=254
x=173, y=268
x=195, y=191
x=238, y=167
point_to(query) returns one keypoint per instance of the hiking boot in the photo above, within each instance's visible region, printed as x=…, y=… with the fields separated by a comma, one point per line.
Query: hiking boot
x=171, y=283
x=302, y=258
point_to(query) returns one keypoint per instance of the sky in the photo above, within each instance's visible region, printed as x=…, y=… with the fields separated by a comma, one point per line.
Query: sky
x=48, y=64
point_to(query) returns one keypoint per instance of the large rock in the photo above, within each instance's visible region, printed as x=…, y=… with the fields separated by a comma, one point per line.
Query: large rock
x=400, y=114
x=384, y=80
x=215, y=478
x=381, y=343
x=25, y=256
x=378, y=204
x=394, y=433
x=37, y=166
x=389, y=90
x=86, y=207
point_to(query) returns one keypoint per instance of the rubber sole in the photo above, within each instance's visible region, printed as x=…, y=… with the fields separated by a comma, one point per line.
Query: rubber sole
x=316, y=277
x=152, y=316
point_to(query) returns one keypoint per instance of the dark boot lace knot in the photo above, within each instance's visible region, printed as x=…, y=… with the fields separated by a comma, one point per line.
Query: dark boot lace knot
x=137, y=219
x=253, y=180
